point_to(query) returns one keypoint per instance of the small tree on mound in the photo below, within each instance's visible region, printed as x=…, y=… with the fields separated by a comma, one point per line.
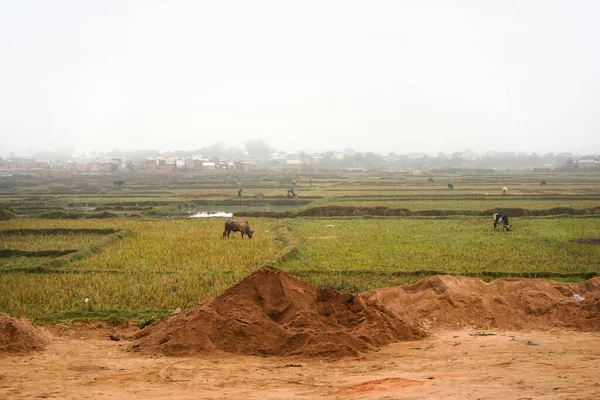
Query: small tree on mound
x=6, y=214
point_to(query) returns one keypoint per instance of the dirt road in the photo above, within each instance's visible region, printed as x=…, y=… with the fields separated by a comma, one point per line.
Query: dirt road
x=84, y=364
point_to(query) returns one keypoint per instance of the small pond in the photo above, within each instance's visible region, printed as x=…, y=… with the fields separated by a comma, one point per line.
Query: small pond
x=212, y=215
x=245, y=208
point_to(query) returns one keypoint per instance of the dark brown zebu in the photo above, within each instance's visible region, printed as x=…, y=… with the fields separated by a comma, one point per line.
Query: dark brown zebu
x=237, y=226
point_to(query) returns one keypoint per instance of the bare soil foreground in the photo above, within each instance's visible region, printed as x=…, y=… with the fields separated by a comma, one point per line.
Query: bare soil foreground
x=272, y=336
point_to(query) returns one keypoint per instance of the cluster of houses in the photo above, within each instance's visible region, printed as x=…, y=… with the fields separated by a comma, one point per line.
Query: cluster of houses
x=160, y=163
x=198, y=164
x=67, y=169
x=172, y=164
x=588, y=162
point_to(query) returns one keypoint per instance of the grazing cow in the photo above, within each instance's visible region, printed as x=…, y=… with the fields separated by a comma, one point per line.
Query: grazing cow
x=500, y=219
x=237, y=226
x=544, y=182
x=450, y=186
x=118, y=183
x=430, y=180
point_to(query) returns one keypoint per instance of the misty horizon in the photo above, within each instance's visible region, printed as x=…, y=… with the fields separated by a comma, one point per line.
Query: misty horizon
x=77, y=154
x=379, y=77
x=232, y=152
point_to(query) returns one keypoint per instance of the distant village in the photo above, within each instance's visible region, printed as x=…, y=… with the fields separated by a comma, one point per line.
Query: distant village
x=416, y=162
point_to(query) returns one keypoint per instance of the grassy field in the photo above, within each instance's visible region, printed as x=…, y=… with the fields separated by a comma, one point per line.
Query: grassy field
x=48, y=241
x=388, y=251
x=163, y=265
x=468, y=204
x=166, y=261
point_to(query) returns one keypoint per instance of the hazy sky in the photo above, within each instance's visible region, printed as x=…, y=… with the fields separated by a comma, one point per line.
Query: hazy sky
x=401, y=76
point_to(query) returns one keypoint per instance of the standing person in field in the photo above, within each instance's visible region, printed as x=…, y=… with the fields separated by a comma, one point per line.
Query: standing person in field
x=240, y=192
x=310, y=181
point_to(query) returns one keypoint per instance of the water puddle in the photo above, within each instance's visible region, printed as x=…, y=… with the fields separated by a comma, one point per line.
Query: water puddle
x=217, y=214
x=227, y=211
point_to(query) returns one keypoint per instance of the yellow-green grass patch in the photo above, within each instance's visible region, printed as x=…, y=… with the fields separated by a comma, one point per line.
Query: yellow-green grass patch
x=405, y=246
x=163, y=264
x=48, y=242
x=476, y=205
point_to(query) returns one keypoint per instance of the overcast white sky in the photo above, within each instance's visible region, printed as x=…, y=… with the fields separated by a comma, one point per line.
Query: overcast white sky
x=401, y=76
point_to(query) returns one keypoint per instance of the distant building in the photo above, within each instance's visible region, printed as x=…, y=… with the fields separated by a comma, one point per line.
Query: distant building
x=588, y=163
x=209, y=166
x=280, y=157
x=190, y=163
x=294, y=159
x=164, y=167
x=415, y=156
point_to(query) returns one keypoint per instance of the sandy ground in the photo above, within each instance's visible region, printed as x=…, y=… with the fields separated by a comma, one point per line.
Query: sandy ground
x=84, y=363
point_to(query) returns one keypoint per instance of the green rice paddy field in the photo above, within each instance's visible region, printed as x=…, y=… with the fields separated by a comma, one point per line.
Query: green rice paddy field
x=135, y=255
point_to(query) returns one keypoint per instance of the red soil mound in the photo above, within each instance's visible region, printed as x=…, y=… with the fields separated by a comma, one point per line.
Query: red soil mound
x=19, y=335
x=452, y=302
x=272, y=313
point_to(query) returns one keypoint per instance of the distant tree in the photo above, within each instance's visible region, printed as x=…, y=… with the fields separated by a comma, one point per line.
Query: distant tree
x=258, y=148
x=64, y=153
x=329, y=159
x=372, y=160
x=214, y=150
x=570, y=162
x=45, y=155
x=5, y=213
x=234, y=152
x=359, y=160
x=218, y=147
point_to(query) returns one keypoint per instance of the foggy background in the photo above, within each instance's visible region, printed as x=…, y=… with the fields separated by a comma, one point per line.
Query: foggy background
x=379, y=76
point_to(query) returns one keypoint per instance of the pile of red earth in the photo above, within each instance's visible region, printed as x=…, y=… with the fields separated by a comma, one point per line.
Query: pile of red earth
x=272, y=313
x=451, y=302
x=20, y=335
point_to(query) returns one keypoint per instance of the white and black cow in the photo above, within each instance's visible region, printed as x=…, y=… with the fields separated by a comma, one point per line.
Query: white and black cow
x=500, y=219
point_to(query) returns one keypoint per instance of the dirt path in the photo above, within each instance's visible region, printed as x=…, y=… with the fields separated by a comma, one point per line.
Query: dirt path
x=83, y=363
